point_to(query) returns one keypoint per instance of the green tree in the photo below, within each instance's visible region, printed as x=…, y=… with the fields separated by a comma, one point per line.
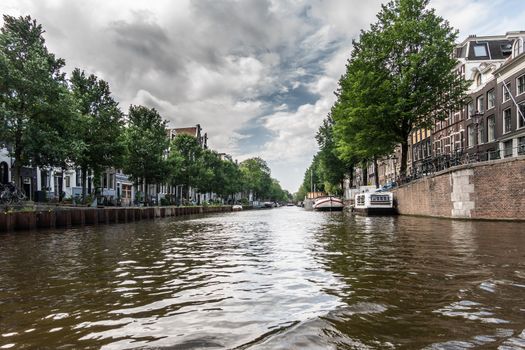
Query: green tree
x=277, y=194
x=191, y=168
x=300, y=194
x=400, y=77
x=146, y=142
x=333, y=169
x=256, y=177
x=100, y=127
x=312, y=181
x=34, y=103
x=232, y=179
x=209, y=176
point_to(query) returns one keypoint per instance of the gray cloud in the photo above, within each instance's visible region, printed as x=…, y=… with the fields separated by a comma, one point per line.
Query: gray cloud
x=146, y=41
x=258, y=75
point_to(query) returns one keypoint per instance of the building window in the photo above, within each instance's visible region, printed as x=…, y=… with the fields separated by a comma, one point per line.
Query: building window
x=446, y=147
x=518, y=47
x=478, y=79
x=104, y=180
x=111, y=181
x=491, y=99
x=507, y=127
x=521, y=115
x=480, y=50
x=471, y=135
x=58, y=184
x=480, y=104
x=491, y=123
x=507, y=149
x=470, y=110
x=521, y=84
x=78, y=177
x=521, y=145
x=126, y=191
x=68, y=181
x=481, y=132
x=506, y=92
x=456, y=118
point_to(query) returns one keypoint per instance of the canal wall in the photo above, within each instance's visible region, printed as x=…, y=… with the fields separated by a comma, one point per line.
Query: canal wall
x=68, y=217
x=486, y=190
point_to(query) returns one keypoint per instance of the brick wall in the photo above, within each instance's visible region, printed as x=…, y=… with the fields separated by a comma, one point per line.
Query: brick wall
x=428, y=196
x=488, y=190
x=500, y=190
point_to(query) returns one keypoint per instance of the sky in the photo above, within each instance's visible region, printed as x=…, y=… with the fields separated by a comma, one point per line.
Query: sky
x=258, y=75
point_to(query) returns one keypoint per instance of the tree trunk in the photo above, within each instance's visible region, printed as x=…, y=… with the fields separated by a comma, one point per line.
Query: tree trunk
x=364, y=167
x=16, y=171
x=61, y=185
x=157, y=190
x=404, y=158
x=145, y=191
x=17, y=165
x=83, y=176
x=351, y=176
x=376, y=172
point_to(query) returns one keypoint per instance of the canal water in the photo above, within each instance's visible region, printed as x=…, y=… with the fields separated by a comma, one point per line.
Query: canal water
x=270, y=279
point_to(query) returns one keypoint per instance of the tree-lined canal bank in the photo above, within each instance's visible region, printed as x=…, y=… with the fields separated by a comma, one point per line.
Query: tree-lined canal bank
x=274, y=279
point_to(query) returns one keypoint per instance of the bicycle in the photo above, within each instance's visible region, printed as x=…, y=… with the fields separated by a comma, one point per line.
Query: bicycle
x=10, y=194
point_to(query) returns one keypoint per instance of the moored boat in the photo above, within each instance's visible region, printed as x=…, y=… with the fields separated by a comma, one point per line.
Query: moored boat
x=328, y=203
x=374, y=203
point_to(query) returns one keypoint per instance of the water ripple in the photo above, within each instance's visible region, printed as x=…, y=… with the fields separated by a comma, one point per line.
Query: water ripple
x=276, y=279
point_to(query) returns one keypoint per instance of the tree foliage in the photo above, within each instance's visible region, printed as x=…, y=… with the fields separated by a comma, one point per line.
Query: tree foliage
x=99, y=128
x=400, y=77
x=34, y=104
x=256, y=177
x=49, y=121
x=189, y=168
x=146, y=142
x=332, y=169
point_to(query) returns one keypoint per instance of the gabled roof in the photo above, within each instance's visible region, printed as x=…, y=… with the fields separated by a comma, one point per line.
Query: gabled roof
x=188, y=131
x=482, y=48
x=495, y=50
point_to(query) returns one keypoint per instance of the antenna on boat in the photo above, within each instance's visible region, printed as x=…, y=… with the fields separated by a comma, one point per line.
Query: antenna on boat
x=311, y=180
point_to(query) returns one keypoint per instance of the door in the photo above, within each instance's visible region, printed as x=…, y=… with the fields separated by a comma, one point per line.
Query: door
x=4, y=173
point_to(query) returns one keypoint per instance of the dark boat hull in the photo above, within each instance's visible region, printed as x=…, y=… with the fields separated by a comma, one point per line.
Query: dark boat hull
x=375, y=211
x=329, y=209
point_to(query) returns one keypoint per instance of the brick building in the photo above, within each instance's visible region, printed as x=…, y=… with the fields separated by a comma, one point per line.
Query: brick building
x=491, y=126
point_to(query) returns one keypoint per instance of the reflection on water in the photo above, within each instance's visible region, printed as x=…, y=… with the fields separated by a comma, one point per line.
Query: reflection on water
x=270, y=279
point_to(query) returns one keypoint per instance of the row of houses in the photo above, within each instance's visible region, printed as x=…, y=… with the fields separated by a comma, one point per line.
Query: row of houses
x=491, y=126
x=117, y=188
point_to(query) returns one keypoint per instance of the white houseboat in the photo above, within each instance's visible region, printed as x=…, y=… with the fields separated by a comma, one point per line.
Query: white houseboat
x=374, y=203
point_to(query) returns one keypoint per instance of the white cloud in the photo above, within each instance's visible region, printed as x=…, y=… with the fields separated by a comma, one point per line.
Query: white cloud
x=231, y=64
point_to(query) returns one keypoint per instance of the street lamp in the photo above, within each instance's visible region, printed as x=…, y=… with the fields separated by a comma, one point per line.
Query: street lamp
x=476, y=118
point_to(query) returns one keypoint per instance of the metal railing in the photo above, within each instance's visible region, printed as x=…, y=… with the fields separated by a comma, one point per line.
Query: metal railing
x=434, y=164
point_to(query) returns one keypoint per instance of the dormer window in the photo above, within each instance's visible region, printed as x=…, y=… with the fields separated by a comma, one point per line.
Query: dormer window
x=506, y=49
x=480, y=50
x=478, y=79
x=518, y=47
